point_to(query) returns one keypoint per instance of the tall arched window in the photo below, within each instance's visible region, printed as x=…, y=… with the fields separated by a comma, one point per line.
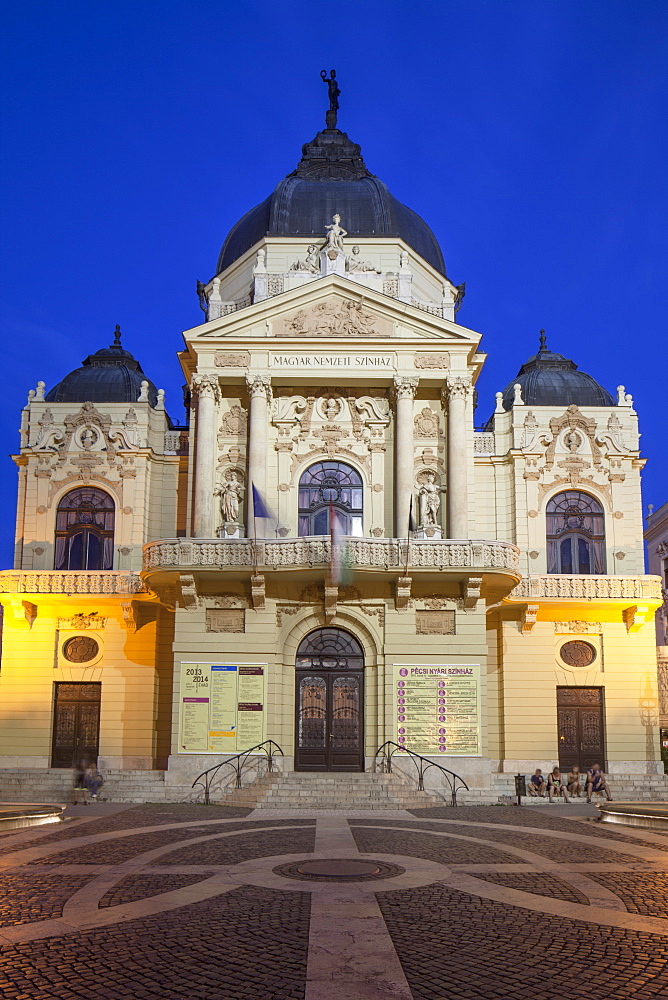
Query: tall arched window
x=85, y=530
x=326, y=487
x=575, y=534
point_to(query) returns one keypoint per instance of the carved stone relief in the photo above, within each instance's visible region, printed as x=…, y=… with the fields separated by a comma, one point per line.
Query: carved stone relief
x=228, y=359
x=426, y=423
x=432, y=360
x=225, y=620
x=336, y=318
x=435, y=622
x=234, y=421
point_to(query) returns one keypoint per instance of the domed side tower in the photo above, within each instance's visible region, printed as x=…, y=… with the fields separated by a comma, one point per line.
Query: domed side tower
x=550, y=379
x=111, y=375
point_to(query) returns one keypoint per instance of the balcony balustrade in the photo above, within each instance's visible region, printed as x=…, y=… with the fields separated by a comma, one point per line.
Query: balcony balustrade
x=70, y=582
x=586, y=588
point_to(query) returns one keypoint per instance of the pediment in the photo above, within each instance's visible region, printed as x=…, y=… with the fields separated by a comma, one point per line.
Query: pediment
x=334, y=308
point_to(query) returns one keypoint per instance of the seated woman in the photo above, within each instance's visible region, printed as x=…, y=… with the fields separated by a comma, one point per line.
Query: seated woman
x=536, y=786
x=573, y=781
x=556, y=785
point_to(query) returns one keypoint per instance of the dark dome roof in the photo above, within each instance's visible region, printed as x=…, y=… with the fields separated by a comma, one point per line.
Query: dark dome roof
x=111, y=375
x=331, y=178
x=550, y=379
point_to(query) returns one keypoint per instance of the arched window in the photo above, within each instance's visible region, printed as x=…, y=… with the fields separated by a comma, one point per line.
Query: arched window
x=85, y=530
x=575, y=534
x=327, y=487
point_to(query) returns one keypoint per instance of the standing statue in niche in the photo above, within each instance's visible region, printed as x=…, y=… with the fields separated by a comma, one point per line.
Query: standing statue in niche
x=333, y=93
x=429, y=498
x=335, y=234
x=230, y=496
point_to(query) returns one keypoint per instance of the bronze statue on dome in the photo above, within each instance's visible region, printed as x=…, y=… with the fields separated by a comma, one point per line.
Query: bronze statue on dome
x=334, y=92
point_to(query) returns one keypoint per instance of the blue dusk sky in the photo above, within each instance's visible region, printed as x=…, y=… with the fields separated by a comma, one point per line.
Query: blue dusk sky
x=531, y=135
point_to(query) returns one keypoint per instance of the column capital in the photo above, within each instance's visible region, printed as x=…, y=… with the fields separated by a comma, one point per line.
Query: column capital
x=455, y=388
x=405, y=386
x=259, y=385
x=206, y=385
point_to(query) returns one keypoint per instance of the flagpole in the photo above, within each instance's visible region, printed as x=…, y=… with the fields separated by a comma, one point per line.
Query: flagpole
x=408, y=534
x=254, y=529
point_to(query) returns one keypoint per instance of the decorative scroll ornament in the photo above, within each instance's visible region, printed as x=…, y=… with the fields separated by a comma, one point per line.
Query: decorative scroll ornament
x=206, y=386
x=259, y=385
x=405, y=386
x=456, y=388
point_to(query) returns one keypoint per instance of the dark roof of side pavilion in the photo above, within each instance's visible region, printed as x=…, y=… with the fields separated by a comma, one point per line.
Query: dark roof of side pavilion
x=550, y=379
x=331, y=178
x=111, y=375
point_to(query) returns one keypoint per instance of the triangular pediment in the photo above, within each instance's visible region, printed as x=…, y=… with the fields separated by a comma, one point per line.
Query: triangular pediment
x=333, y=308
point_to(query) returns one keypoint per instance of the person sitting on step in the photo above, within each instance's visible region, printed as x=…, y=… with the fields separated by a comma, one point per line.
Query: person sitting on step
x=574, y=786
x=536, y=786
x=596, y=783
x=556, y=785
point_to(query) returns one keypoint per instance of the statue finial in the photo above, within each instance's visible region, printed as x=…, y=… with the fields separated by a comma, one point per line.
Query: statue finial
x=543, y=341
x=117, y=336
x=333, y=91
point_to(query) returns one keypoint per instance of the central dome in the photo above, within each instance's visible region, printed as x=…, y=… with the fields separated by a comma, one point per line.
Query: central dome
x=331, y=178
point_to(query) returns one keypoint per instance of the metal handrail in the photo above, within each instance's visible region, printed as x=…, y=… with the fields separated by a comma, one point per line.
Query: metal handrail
x=237, y=762
x=422, y=765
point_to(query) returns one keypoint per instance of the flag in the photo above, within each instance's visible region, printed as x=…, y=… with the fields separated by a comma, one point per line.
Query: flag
x=339, y=560
x=260, y=508
x=411, y=517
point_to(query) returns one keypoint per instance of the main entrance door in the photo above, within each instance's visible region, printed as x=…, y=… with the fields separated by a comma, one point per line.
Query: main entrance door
x=580, y=727
x=76, y=724
x=330, y=702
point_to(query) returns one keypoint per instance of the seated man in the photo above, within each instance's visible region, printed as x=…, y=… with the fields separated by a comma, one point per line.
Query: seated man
x=556, y=785
x=596, y=782
x=536, y=786
x=574, y=786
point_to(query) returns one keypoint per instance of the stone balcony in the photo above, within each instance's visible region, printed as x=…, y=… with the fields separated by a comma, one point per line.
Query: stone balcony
x=314, y=552
x=553, y=587
x=68, y=582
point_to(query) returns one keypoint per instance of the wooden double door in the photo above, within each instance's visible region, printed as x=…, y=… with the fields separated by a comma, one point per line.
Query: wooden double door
x=76, y=724
x=580, y=726
x=329, y=702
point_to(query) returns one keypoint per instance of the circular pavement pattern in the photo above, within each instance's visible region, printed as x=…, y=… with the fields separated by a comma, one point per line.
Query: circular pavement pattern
x=339, y=870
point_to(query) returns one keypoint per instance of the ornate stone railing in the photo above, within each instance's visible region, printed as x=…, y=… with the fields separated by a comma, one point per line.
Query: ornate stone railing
x=483, y=443
x=592, y=588
x=370, y=553
x=65, y=582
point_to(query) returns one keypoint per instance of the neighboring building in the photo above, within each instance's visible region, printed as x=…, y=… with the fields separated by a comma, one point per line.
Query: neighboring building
x=156, y=619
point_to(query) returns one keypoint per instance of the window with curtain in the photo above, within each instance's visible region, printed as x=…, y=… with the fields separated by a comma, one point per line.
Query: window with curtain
x=330, y=488
x=85, y=530
x=575, y=534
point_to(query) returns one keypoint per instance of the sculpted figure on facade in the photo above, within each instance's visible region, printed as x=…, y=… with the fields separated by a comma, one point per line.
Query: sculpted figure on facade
x=311, y=262
x=355, y=262
x=335, y=234
x=429, y=500
x=230, y=496
x=334, y=319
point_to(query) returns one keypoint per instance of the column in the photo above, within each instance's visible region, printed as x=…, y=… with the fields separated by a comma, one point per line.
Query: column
x=454, y=396
x=259, y=390
x=405, y=388
x=207, y=392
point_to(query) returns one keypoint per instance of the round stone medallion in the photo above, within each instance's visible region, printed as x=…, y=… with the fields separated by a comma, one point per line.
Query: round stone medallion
x=338, y=870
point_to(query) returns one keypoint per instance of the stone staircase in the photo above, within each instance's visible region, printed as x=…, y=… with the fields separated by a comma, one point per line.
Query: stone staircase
x=54, y=784
x=342, y=790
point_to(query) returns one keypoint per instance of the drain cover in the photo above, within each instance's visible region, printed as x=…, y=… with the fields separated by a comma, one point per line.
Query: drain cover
x=338, y=870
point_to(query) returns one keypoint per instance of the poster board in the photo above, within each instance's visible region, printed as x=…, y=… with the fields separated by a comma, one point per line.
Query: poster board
x=437, y=708
x=221, y=707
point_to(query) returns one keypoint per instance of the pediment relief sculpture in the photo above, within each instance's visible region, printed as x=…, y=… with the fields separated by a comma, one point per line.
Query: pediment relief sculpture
x=337, y=318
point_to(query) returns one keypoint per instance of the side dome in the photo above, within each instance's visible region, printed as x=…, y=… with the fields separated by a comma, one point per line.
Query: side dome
x=550, y=379
x=111, y=375
x=331, y=178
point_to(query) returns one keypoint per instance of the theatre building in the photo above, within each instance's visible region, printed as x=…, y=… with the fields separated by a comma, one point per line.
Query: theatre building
x=157, y=618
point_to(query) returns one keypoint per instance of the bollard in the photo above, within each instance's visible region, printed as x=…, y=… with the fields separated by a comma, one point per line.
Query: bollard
x=520, y=787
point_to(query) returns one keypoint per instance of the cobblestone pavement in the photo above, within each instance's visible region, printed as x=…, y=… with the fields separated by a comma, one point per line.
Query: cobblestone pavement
x=189, y=902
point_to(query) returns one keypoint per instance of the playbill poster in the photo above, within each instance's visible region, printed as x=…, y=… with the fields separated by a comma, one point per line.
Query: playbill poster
x=222, y=707
x=437, y=708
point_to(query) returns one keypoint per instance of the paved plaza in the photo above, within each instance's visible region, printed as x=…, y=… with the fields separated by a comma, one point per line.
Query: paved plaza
x=185, y=902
